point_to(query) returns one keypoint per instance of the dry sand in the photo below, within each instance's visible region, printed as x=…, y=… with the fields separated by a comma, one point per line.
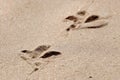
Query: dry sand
x=87, y=54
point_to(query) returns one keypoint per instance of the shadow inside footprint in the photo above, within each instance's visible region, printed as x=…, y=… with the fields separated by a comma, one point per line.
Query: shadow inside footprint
x=39, y=49
x=51, y=53
x=42, y=48
x=71, y=18
x=92, y=18
x=95, y=27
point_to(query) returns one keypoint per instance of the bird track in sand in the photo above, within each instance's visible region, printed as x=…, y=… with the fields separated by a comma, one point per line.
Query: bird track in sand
x=81, y=20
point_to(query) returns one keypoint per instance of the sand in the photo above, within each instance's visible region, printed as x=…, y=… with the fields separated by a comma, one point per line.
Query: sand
x=87, y=54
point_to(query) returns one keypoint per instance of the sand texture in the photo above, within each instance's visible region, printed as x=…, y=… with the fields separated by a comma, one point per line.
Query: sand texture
x=81, y=53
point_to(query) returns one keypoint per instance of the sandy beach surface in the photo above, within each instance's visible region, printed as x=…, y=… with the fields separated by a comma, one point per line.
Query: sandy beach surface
x=86, y=54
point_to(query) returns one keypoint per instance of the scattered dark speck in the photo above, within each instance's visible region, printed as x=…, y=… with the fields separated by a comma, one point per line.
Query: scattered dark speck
x=114, y=38
x=36, y=69
x=37, y=63
x=33, y=57
x=24, y=51
x=68, y=29
x=90, y=77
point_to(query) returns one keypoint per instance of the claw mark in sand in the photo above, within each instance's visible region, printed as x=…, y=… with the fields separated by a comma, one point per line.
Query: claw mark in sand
x=35, y=59
x=85, y=20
